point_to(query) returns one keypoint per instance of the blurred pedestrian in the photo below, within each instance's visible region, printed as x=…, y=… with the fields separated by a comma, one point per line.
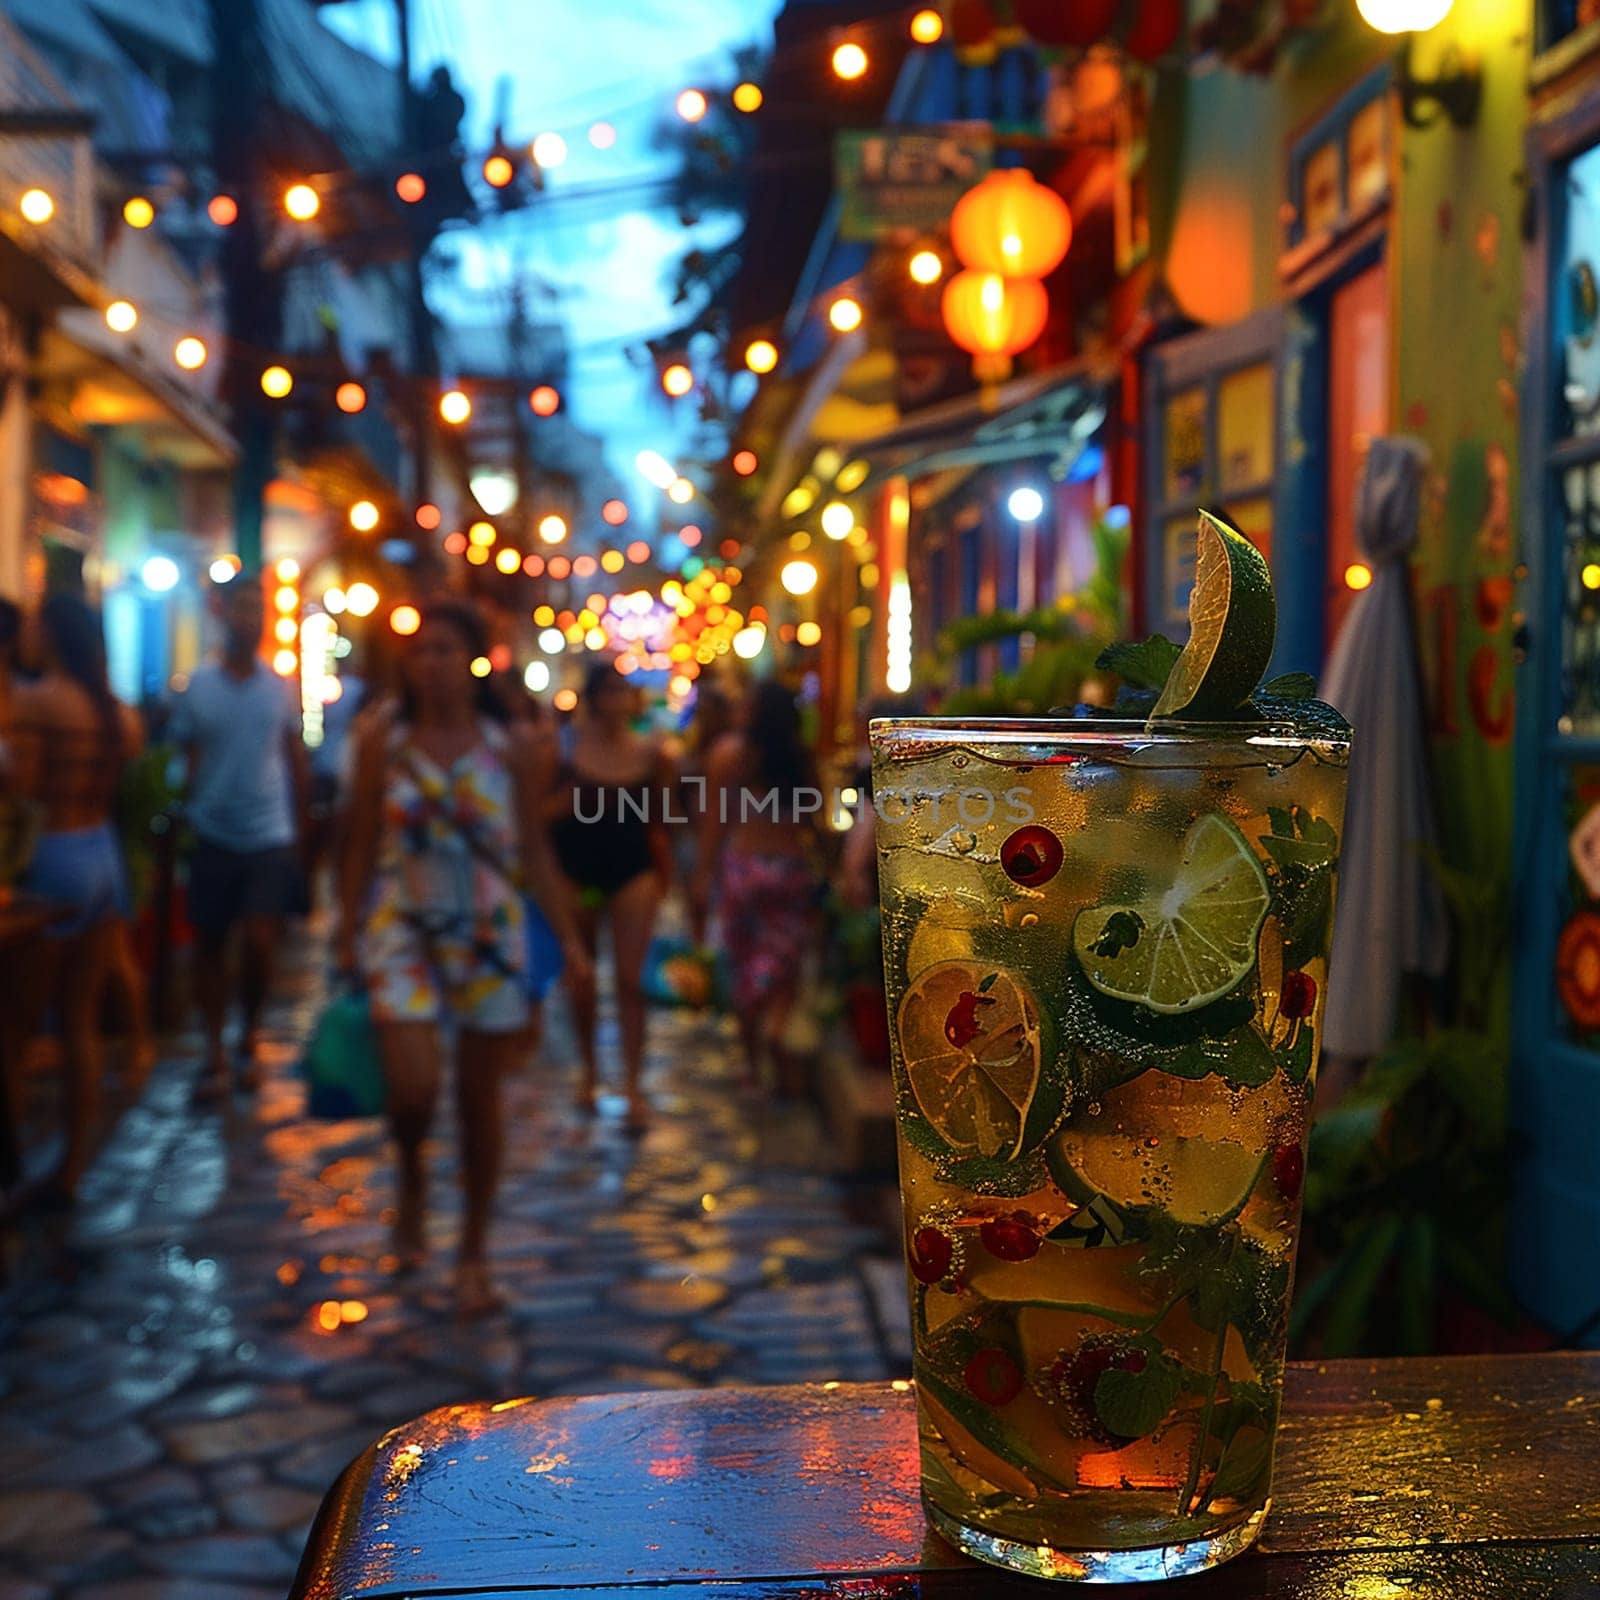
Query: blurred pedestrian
x=716, y=712
x=610, y=838
x=248, y=788
x=445, y=832
x=70, y=740
x=757, y=842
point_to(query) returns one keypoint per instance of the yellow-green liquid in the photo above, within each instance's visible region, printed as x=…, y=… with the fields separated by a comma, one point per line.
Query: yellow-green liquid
x=1173, y=1199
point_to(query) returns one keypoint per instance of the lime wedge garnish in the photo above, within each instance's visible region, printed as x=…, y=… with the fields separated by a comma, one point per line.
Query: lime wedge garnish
x=1192, y=941
x=1232, y=621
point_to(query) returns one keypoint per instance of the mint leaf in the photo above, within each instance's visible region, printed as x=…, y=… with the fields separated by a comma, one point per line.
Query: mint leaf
x=1297, y=1058
x=1242, y=1057
x=1132, y=1404
x=1247, y=1058
x=1291, y=686
x=1240, y=1473
x=1145, y=665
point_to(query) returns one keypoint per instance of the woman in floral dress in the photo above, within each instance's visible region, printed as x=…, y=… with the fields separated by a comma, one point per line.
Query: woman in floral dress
x=445, y=835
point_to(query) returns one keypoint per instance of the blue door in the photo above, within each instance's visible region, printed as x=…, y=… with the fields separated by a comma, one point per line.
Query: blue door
x=1556, y=1045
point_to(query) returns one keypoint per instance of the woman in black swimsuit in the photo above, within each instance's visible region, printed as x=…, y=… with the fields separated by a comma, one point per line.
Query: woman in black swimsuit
x=610, y=840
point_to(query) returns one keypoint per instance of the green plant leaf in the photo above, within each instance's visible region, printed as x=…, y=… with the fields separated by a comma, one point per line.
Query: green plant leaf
x=1291, y=686
x=1416, y=1287
x=1145, y=664
x=1133, y=1404
x=1344, y=1332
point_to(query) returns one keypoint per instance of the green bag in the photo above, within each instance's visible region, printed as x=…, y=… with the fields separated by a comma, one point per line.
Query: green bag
x=341, y=1064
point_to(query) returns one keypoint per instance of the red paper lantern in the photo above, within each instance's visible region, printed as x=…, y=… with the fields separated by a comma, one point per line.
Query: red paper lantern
x=1012, y=225
x=1078, y=23
x=994, y=317
x=1157, y=26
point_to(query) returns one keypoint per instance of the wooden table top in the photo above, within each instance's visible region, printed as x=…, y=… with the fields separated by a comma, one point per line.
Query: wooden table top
x=1467, y=1478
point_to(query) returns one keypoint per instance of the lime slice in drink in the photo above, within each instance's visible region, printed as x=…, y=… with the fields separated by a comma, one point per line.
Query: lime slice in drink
x=969, y=1035
x=1232, y=621
x=1189, y=943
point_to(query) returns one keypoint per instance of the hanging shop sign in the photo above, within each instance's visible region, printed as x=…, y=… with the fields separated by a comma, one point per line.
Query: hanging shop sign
x=889, y=180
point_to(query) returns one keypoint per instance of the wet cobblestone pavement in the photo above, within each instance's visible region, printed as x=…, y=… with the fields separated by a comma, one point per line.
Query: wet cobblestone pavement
x=188, y=1363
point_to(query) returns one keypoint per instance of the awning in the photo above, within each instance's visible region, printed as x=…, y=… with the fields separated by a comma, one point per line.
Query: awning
x=1053, y=413
x=113, y=388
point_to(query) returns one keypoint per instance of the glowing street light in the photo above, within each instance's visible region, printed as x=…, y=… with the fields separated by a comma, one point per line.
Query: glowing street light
x=747, y=97
x=745, y=462
x=498, y=171
x=680, y=491
x=301, y=201
x=1026, y=504
x=845, y=314
x=837, y=519
x=552, y=528
x=138, y=212
x=749, y=642
x=798, y=578
x=549, y=150
x=36, y=206
x=1403, y=16
x=677, y=380
x=363, y=516
x=122, y=316
x=223, y=210
x=656, y=468
x=411, y=187
x=544, y=401
x=849, y=61
x=276, y=382
x=159, y=574
x=692, y=105
x=361, y=599
x=761, y=355
x=552, y=641
x=190, y=354
x=925, y=267
x=614, y=512
x=350, y=398
x=224, y=569
x=507, y=559
x=405, y=620
x=927, y=27
x=454, y=407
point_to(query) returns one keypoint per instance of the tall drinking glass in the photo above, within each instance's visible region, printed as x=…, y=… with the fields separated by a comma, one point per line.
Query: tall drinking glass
x=1106, y=951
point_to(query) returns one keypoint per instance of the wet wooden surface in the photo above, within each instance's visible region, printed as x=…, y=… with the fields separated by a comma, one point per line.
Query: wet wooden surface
x=1459, y=1479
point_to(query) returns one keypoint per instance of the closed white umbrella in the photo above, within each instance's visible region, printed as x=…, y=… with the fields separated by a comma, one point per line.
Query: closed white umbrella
x=1390, y=918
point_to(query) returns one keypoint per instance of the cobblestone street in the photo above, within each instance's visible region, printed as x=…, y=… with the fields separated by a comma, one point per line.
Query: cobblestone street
x=188, y=1363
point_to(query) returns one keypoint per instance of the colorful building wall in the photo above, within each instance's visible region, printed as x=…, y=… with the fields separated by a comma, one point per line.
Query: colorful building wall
x=1455, y=283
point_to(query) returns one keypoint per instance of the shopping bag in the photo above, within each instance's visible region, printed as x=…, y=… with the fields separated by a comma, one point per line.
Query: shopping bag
x=341, y=1064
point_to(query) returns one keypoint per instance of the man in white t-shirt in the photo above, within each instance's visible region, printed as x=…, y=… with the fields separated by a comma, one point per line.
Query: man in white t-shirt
x=238, y=724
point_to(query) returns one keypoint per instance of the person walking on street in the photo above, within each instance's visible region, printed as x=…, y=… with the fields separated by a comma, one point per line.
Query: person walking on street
x=755, y=864
x=238, y=725
x=445, y=833
x=612, y=845
x=70, y=739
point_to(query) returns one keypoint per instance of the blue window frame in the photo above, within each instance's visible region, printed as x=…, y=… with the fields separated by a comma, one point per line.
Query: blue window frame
x=1340, y=167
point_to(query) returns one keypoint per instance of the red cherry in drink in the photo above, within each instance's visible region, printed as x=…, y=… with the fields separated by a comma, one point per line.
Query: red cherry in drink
x=961, y=1024
x=993, y=1377
x=1009, y=1238
x=930, y=1254
x=1073, y=1378
x=1289, y=1170
x=1031, y=856
x=1299, y=997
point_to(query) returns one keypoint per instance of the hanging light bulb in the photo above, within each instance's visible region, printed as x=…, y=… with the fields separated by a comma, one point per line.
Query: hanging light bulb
x=122, y=316
x=364, y=516
x=454, y=407
x=692, y=105
x=411, y=187
x=350, y=398
x=926, y=267
x=549, y=150
x=849, y=61
x=190, y=354
x=36, y=206
x=302, y=202
x=276, y=382
x=677, y=380
x=498, y=171
x=223, y=210
x=845, y=314
x=138, y=212
x=747, y=97
x=927, y=27
x=544, y=401
x=761, y=355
